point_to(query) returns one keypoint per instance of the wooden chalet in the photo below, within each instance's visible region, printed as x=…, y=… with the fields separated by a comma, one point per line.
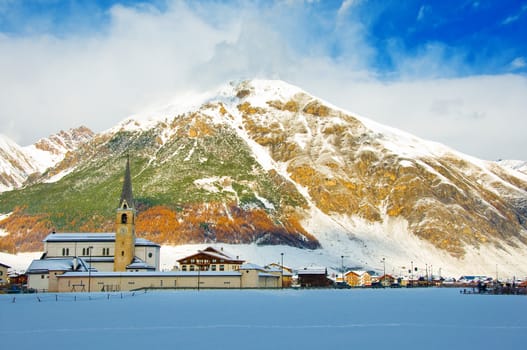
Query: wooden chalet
x=311, y=277
x=210, y=259
x=387, y=280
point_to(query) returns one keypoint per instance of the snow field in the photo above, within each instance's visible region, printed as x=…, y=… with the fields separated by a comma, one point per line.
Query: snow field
x=256, y=319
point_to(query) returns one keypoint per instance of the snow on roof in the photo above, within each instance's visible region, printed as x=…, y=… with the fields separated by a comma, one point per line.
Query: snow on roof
x=312, y=271
x=357, y=272
x=56, y=264
x=92, y=237
x=250, y=266
x=213, y=252
x=139, y=264
x=4, y=265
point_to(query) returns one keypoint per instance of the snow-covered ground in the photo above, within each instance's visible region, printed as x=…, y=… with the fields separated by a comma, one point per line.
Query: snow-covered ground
x=255, y=319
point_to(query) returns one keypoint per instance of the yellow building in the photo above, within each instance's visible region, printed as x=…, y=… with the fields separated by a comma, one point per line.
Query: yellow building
x=3, y=274
x=248, y=276
x=358, y=278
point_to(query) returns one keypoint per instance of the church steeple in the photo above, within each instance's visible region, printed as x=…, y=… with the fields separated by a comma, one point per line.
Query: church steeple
x=127, y=197
x=125, y=225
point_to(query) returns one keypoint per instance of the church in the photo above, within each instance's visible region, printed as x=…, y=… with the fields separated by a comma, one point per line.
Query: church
x=120, y=261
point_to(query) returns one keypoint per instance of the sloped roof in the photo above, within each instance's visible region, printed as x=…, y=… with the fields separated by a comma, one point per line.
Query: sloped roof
x=139, y=264
x=4, y=265
x=312, y=271
x=250, y=266
x=357, y=272
x=92, y=237
x=213, y=253
x=56, y=264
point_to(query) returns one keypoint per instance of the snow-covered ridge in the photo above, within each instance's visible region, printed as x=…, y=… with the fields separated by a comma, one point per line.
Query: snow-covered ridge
x=517, y=165
x=18, y=163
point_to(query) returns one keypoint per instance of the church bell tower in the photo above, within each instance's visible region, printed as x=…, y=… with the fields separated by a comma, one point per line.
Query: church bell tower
x=125, y=225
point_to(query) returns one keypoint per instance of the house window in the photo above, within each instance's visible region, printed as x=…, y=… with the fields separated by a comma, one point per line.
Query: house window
x=65, y=251
x=41, y=276
x=150, y=254
x=213, y=267
x=191, y=267
x=184, y=268
x=106, y=251
x=222, y=267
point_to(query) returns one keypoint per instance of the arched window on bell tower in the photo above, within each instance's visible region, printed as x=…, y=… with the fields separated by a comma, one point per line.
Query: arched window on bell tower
x=124, y=219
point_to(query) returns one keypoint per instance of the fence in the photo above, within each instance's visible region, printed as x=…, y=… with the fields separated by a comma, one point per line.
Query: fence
x=66, y=297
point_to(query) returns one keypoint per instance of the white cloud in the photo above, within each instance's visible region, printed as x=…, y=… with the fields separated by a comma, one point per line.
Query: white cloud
x=147, y=57
x=513, y=18
x=345, y=7
x=422, y=12
x=518, y=63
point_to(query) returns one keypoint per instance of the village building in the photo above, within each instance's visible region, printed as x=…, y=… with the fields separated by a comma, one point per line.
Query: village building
x=358, y=278
x=42, y=274
x=210, y=259
x=3, y=274
x=249, y=276
x=387, y=280
x=285, y=272
x=98, y=250
x=316, y=277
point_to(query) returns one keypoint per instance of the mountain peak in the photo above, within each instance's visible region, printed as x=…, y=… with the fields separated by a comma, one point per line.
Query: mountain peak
x=264, y=162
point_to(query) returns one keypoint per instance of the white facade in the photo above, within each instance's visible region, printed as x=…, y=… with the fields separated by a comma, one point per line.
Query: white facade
x=98, y=249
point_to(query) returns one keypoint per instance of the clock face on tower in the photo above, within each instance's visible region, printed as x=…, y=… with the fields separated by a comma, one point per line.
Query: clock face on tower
x=123, y=230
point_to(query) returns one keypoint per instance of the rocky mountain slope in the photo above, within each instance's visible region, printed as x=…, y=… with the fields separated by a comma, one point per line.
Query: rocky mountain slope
x=265, y=162
x=19, y=165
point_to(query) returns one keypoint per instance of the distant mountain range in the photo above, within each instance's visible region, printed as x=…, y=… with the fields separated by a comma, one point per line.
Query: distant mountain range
x=264, y=162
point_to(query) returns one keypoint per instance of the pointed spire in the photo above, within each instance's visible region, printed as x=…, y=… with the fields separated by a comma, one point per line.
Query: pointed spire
x=127, y=198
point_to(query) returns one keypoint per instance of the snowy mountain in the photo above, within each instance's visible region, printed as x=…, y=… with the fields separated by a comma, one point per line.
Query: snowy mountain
x=19, y=164
x=265, y=166
x=518, y=165
x=15, y=165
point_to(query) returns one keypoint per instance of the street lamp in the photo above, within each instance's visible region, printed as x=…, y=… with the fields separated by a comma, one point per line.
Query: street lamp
x=412, y=273
x=342, y=257
x=89, y=270
x=384, y=272
x=282, y=270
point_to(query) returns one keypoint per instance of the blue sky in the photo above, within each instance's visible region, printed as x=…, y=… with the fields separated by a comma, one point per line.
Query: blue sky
x=449, y=71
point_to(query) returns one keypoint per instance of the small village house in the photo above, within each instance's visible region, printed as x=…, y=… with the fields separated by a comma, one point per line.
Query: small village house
x=316, y=277
x=3, y=274
x=43, y=274
x=286, y=273
x=210, y=259
x=387, y=280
